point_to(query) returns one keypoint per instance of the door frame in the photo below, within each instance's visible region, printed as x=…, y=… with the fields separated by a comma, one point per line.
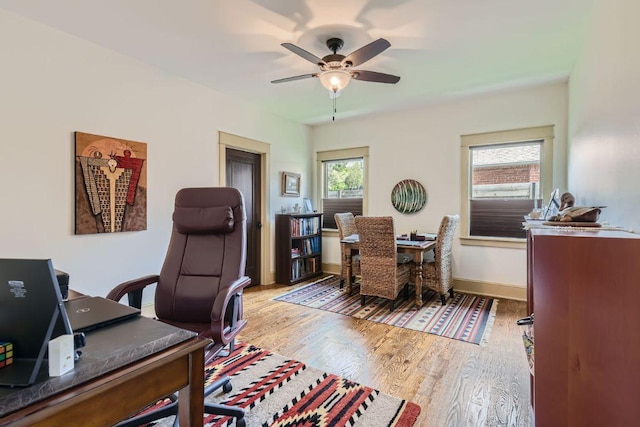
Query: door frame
x=227, y=140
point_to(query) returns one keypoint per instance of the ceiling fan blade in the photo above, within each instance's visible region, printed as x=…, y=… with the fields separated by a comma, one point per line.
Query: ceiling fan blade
x=366, y=52
x=303, y=53
x=372, y=76
x=290, y=79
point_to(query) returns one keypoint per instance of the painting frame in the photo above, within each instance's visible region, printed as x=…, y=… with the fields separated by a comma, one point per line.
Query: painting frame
x=291, y=184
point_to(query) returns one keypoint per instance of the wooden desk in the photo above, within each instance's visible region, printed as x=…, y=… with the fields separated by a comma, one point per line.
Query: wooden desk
x=417, y=249
x=123, y=368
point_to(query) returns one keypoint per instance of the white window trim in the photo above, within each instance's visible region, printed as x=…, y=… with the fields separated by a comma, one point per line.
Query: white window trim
x=341, y=154
x=544, y=133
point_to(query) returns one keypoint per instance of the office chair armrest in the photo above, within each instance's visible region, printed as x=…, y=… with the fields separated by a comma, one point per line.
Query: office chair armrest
x=133, y=288
x=233, y=294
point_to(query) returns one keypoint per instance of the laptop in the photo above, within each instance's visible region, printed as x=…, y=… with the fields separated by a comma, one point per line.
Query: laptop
x=31, y=314
x=87, y=313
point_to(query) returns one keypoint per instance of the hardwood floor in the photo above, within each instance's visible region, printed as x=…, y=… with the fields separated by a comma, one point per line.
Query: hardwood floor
x=455, y=383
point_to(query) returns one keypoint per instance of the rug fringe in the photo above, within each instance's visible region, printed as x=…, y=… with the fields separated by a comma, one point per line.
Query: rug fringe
x=489, y=327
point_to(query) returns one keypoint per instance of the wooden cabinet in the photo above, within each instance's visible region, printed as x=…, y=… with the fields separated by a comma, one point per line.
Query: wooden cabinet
x=584, y=291
x=298, y=247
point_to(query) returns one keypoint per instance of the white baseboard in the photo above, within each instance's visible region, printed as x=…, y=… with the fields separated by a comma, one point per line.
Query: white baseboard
x=271, y=278
x=331, y=268
x=496, y=290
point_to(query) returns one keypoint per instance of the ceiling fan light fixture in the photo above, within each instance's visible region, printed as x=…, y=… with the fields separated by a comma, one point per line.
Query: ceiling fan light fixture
x=335, y=80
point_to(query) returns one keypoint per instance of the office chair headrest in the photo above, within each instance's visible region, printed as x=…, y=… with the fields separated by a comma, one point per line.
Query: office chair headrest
x=212, y=220
x=207, y=197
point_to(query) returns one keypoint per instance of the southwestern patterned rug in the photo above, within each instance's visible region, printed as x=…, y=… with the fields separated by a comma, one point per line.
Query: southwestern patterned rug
x=276, y=391
x=466, y=317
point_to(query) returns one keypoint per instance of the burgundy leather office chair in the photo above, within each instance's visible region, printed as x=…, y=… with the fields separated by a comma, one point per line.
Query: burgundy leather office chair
x=201, y=281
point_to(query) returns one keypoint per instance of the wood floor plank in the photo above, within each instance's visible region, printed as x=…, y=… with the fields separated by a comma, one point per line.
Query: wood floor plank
x=455, y=383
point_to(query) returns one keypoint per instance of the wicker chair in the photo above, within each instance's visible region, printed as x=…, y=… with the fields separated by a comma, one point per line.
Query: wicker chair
x=346, y=227
x=436, y=272
x=383, y=273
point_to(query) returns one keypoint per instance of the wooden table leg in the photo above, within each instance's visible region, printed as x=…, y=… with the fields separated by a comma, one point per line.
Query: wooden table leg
x=417, y=260
x=348, y=269
x=191, y=397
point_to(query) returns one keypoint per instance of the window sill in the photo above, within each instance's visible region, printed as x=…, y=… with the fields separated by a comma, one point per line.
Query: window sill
x=496, y=242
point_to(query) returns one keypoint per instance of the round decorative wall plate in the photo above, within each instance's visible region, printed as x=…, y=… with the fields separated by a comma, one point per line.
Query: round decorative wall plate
x=408, y=196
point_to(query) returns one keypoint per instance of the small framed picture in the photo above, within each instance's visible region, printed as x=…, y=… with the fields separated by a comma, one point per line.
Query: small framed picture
x=290, y=184
x=308, y=207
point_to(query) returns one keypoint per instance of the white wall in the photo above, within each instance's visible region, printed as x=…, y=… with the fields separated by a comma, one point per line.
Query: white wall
x=604, y=115
x=424, y=144
x=52, y=84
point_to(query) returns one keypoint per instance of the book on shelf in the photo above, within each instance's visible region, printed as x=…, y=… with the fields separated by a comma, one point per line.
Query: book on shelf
x=302, y=267
x=312, y=265
x=305, y=226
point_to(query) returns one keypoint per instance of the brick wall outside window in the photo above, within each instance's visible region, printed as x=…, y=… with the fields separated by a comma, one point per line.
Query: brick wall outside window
x=523, y=173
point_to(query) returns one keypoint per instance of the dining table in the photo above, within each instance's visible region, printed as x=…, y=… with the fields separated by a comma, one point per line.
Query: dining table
x=417, y=248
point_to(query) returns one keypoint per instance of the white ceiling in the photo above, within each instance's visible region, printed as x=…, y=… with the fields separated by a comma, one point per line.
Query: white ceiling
x=440, y=48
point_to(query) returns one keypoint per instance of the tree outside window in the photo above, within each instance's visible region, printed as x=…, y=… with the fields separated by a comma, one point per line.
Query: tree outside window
x=343, y=189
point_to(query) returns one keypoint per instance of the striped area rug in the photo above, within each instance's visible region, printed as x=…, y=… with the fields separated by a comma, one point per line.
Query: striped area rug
x=466, y=317
x=279, y=392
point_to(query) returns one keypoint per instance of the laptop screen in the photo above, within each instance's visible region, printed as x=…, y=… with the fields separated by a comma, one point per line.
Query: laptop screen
x=31, y=311
x=29, y=296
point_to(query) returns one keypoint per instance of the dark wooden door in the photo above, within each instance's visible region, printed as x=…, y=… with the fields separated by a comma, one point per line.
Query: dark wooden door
x=243, y=173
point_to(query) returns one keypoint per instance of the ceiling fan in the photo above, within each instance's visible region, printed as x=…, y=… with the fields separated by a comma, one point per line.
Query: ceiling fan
x=336, y=70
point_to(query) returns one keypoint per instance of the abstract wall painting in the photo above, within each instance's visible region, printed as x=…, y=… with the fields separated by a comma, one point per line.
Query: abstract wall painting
x=111, y=184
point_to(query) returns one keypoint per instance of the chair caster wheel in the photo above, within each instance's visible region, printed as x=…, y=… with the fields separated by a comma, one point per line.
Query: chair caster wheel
x=240, y=422
x=227, y=387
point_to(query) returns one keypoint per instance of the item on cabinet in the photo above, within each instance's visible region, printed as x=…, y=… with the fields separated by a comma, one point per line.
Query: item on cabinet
x=578, y=214
x=567, y=201
x=553, y=206
x=534, y=214
x=582, y=224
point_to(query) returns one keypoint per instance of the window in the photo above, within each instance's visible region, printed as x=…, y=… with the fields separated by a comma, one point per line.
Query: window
x=342, y=180
x=504, y=176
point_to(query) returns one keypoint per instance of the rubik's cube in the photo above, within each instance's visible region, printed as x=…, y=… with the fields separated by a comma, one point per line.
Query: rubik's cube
x=6, y=354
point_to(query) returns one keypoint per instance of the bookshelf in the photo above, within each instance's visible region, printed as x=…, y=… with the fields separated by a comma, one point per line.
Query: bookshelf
x=298, y=247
